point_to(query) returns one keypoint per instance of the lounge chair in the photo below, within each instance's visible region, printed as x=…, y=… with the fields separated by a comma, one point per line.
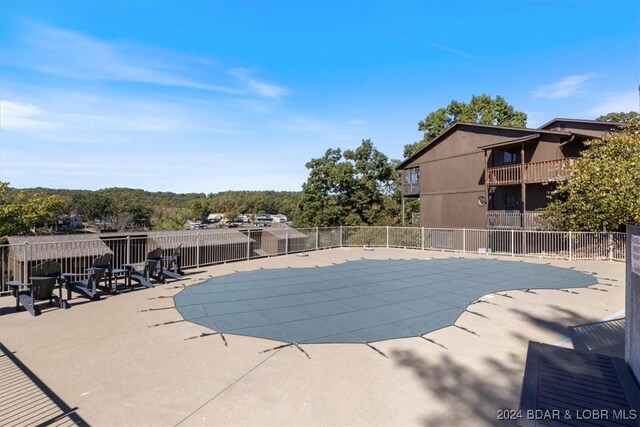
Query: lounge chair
x=42, y=282
x=172, y=269
x=177, y=260
x=148, y=272
x=88, y=287
x=153, y=269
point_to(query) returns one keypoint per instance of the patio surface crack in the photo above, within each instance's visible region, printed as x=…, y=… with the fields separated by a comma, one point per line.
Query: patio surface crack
x=227, y=387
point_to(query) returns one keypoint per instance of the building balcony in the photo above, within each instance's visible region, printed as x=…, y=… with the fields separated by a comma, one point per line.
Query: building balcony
x=547, y=171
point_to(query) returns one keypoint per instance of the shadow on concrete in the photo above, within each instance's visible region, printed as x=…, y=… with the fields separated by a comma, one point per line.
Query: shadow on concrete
x=470, y=398
x=26, y=400
x=474, y=396
x=560, y=324
x=602, y=337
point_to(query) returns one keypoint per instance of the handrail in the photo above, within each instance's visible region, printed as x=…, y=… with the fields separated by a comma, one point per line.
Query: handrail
x=200, y=249
x=543, y=171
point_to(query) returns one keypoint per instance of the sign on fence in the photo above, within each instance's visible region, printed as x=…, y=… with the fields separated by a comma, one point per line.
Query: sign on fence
x=635, y=254
x=632, y=298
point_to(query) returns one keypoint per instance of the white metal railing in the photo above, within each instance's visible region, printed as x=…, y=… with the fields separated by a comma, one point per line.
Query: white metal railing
x=212, y=247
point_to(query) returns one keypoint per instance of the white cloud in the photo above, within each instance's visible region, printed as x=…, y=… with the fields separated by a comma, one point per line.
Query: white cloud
x=262, y=88
x=454, y=51
x=615, y=102
x=19, y=115
x=158, y=142
x=75, y=55
x=563, y=88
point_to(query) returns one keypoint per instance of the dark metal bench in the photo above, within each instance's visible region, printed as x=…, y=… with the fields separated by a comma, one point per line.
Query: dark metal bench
x=564, y=387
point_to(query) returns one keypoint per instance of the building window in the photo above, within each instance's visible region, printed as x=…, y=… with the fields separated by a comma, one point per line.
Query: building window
x=412, y=176
x=510, y=158
x=411, y=181
x=511, y=201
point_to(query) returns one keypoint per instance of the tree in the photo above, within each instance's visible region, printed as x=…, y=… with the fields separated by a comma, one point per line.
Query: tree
x=346, y=188
x=91, y=205
x=199, y=209
x=481, y=109
x=20, y=213
x=170, y=218
x=603, y=192
x=140, y=214
x=618, y=117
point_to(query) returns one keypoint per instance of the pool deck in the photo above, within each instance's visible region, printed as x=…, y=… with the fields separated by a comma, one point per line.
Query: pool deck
x=106, y=358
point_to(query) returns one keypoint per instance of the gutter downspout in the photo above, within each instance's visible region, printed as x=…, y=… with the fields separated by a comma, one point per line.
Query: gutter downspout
x=559, y=149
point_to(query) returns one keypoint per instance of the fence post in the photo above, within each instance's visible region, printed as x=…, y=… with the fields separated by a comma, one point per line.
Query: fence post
x=128, y=250
x=317, y=238
x=340, y=236
x=286, y=242
x=610, y=246
x=198, y=250
x=248, y=244
x=422, y=239
x=25, y=268
x=570, y=245
x=513, y=232
x=387, y=237
x=464, y=240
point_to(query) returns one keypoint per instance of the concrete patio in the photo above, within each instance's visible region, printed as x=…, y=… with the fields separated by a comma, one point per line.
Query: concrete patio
x=110, y=361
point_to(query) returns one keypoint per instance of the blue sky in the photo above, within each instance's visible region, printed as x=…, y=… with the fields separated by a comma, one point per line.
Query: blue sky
x=207, y=96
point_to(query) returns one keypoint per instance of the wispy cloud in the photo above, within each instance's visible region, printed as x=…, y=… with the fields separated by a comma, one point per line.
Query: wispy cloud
x=454, y=51
x=262, y=88
x=69, y=116
x=615, y=102
x=96, y=139
x=19, y=115
x=75, y=55
x=563, y=88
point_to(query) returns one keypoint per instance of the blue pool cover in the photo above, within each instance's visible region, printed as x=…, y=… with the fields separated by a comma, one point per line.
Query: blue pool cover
x=358, y=301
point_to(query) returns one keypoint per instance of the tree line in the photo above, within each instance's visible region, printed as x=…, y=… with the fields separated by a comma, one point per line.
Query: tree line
x=26, y=211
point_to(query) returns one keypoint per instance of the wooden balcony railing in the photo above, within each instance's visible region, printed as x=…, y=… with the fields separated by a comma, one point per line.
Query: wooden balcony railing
x=516, y=220
x=411, y=189
x=504, y=175
x=547, y=171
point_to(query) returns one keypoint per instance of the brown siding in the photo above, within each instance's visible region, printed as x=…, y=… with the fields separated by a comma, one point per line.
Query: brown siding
x=545, y=150
x=452, y=170
x=593, y=130
x=451, y=178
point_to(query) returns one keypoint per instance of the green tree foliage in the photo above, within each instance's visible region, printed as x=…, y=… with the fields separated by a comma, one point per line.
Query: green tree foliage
x=127, y=208
x=199, y=209
x=169, y=218
x=140, y=214
x=618, y=117
x=347, y=188
x=603, y=192
x=91, y=205
x=482, y=109
x=20, y=212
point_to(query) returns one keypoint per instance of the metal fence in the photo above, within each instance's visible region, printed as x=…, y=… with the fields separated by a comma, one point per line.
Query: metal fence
x=204, y=248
